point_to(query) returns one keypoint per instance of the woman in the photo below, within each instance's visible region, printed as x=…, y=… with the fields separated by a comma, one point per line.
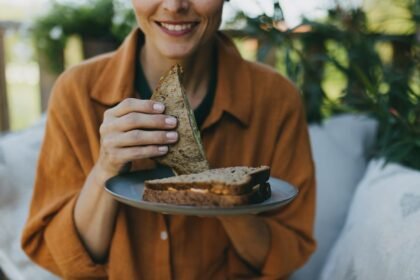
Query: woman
x=100, y=122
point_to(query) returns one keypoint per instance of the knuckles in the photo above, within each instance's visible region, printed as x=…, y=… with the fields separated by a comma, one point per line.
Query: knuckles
x=131, y=119
x=107, y=142
x=103, y=128
x=136, y=135
x=107, y=114
x=128, y=102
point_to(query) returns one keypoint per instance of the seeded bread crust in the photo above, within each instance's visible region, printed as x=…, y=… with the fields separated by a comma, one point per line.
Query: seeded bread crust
x=187, y=155
x=227, y=181
x=187, y=197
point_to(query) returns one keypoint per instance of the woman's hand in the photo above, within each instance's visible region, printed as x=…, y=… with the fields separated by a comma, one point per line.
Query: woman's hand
x=134, y=129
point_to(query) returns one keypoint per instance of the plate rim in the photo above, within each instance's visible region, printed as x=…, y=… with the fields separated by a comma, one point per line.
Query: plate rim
x=173, y=209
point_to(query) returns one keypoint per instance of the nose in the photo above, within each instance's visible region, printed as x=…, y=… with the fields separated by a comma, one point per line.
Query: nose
x=176, y=6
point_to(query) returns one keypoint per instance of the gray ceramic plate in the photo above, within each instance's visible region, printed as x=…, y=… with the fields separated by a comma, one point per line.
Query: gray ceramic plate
x=128, y=189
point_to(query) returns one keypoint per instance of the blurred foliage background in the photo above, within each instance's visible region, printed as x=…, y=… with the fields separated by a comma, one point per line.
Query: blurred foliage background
x=377, y=66
x=360, y=58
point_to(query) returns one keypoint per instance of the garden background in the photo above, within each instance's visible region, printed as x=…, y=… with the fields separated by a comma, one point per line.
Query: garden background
x=356, y=63
x=345, y=56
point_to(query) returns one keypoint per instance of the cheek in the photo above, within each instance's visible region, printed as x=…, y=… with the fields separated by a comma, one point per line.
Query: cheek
x=143, y=9
x=213, y=14
x=210, y=8
x=212, y=11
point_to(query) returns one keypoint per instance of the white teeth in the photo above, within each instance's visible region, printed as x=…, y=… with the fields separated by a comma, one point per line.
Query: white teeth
x=177, y=27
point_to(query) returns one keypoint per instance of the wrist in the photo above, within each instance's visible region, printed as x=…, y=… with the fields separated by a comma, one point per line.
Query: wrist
x=96, y=180
x=100, y=175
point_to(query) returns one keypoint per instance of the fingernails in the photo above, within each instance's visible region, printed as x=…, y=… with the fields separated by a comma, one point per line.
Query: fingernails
x=172, y=135
x=170, y=121
x=158, y=107
x=163, y=149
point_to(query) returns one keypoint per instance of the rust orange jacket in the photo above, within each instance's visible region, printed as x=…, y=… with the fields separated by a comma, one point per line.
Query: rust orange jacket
x=257, y=118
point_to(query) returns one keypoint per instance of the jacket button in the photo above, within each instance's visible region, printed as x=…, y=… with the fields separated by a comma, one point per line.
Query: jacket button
x=163, y=235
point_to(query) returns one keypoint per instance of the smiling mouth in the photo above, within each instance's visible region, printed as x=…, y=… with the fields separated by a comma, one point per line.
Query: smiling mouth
x=177, y=28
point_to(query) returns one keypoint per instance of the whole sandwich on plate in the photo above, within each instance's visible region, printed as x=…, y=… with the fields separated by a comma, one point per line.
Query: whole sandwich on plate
x=224, y=187
x=196, y=184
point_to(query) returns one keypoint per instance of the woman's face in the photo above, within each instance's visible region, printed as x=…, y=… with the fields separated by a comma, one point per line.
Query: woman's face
x=176, y=28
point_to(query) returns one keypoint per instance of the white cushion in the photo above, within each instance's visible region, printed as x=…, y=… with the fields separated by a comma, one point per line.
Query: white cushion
x=8, y=193
x=18, y=156
x=340, y=147
x=8, y=268
x=381, y=238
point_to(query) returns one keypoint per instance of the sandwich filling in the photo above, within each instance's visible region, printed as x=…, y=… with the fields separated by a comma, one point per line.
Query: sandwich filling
x=190, y=189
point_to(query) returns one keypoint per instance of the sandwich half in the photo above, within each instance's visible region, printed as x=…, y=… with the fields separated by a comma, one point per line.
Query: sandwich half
x=187, y=155
x=222, y=187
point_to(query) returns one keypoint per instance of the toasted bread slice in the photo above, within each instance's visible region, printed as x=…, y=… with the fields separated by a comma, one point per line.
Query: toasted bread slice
x=257, y=194
x=221, y=181
x=187, y=155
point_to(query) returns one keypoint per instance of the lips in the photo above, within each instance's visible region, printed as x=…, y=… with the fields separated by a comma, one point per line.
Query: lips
x=177, y=28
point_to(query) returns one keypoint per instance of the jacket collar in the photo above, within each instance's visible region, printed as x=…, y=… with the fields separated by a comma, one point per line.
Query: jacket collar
x=233, y=91
x=116, y=81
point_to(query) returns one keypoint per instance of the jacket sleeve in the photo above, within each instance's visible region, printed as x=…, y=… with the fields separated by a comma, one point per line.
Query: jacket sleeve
x=291, y=227
x=50, y=237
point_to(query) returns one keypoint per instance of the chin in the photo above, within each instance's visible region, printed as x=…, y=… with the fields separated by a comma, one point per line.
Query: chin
x=179, y=53
x=174, y=55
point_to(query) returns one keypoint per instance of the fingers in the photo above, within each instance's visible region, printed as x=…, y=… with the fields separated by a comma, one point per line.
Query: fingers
x=142, y=138
x=136, y=105
x=133, y=113
x=135, y=129
x=143, y=121
x=138, y=121
x=127, y=154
